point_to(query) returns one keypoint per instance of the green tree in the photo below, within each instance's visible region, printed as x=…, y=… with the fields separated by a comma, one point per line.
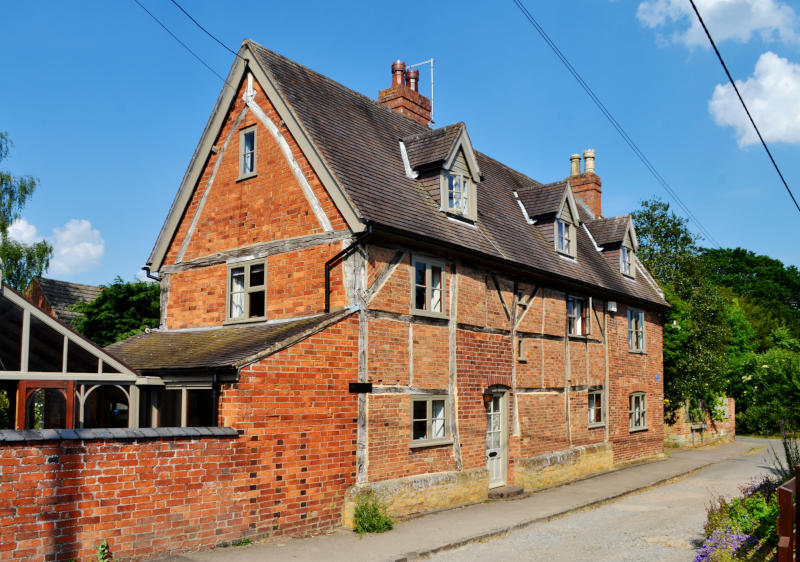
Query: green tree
x=696, y=332
x=121, y=310
x=665, y=244
x=20, y=262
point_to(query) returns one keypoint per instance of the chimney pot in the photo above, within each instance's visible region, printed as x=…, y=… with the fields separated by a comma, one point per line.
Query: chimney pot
x=588, y=157
x=398, y=72
x=575, y=165
x=412, y=79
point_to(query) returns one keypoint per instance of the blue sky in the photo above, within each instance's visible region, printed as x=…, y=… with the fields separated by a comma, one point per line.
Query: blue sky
x=106, y=109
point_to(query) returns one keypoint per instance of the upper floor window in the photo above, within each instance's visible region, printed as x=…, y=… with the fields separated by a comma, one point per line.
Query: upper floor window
x=428, y=289
x=564, y=235
x=635, y=330
x=247, y=152
x=625, y=261
x=247, y=291
x=577, y=316
x=457, y=193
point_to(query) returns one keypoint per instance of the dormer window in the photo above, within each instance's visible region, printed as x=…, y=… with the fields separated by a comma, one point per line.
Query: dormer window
x=625, y=261
x=564, y=235
x=457, y=193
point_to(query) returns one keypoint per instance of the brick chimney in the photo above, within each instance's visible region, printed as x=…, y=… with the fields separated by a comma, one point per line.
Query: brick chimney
x=586, y=186
x=404, y=96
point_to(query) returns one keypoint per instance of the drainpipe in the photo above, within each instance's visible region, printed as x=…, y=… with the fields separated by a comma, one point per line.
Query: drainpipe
x=150, y=275
x=338, y=257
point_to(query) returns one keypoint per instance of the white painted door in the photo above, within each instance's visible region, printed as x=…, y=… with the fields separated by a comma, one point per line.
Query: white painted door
x=496, y=440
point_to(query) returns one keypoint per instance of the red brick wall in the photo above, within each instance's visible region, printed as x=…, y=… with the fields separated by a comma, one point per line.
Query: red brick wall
x=286, y=473
x=270, y=206
x=36, y=296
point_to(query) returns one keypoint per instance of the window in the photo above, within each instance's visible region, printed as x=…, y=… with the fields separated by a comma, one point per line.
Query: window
x=428, y=286
x=635, y=330
x=246, y=291
x=637, y=414
x=596, y=408
x=428, y=421
x=577, y=316
x=177, y=406
x=564, y=237
x=625, y=261
x=247, y=153
x=521, y=349
x=457, y=193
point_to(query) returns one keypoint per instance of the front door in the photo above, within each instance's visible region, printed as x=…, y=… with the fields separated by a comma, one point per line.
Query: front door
x=497, y=439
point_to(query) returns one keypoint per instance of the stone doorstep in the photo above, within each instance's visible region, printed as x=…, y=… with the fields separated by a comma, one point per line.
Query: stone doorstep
x=506, y=493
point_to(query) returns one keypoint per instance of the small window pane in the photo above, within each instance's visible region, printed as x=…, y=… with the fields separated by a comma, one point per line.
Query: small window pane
x=10, y=335
x=237, y=279
x=46, y=348
x=420, y=273
x=419, y=298
x=200, y=408
x=257, y=275
x=79, y=360
x=419, y=429
x=256, y=304
x=420, y=410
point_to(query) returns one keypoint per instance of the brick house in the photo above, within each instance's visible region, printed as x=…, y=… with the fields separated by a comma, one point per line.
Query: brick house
x=473, y=292
x=58, y=297
x=374, y=305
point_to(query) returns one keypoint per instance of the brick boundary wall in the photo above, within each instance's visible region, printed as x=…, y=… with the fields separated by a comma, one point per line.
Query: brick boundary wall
x=60, y=496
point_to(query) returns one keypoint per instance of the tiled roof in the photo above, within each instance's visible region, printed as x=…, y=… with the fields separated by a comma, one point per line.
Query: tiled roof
x=543, y=199
x=431, y=146
x=62, y=295
x=228, y=346
x=609, y=231
x=358, y=139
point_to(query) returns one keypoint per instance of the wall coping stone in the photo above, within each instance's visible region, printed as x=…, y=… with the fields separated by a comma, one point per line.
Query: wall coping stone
x=563, y=457
x=117, y=433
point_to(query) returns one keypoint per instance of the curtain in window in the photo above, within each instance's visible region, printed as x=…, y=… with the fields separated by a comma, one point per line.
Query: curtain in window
x=237, y=292
x=437, y=419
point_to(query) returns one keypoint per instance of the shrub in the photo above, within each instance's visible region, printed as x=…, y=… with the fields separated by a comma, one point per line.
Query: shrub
x=791, y=453
x=370, y=515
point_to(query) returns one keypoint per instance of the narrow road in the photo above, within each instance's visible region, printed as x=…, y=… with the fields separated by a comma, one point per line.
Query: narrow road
x=664, y=523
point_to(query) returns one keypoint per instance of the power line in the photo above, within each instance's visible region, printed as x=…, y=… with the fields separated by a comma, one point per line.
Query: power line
x=735, y=89
x=604, y=110
x=195, y=55
x=207, y=32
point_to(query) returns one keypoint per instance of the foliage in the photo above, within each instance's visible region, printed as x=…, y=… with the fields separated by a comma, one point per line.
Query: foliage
x=743, y=527
x=5, y=405
x=665, y=243
x=20, y=263
x=242, y=542
x=103, y=552
x=121, y=310
x=370, y=515
x=768, y=390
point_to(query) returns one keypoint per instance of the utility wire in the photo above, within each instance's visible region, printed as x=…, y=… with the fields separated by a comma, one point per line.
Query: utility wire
x=735, y=89
x=207, y=32
x=195, y=55
x=604, y=110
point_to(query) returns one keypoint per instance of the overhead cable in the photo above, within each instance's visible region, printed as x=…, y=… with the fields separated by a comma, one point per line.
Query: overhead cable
x=744, y=105
x=607, y=113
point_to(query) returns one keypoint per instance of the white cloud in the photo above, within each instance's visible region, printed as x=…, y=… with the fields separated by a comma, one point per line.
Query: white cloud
x=23, y=232
x=738, y=20
x=77, y=247
x=772, y=95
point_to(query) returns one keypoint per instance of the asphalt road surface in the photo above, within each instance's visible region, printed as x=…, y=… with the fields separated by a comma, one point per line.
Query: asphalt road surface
x=664, y=523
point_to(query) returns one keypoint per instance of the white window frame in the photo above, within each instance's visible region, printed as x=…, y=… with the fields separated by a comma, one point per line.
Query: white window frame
x=626, y=261
x=636, y=325
x=429, y=289
x=565, y=237
x=595, y=401
x=460, y=203
x=578, y=324
x=243, y=172
x=637, y=411
x=248, y=290
x=430, y=422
